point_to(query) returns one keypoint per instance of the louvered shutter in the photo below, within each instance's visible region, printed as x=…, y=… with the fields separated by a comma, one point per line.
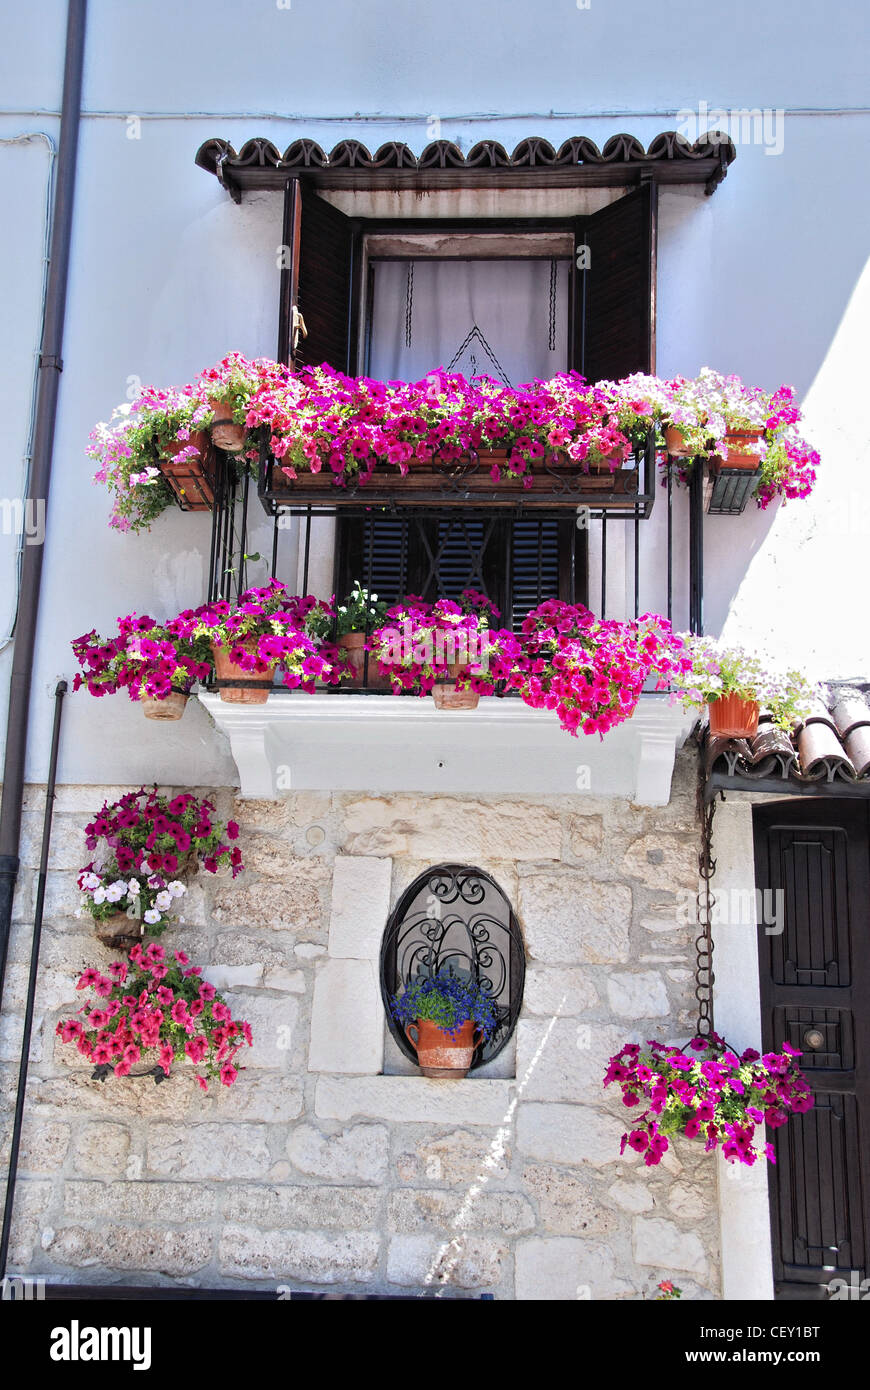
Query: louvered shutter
x=319, y=281
x=517, y=563
x=614, y=298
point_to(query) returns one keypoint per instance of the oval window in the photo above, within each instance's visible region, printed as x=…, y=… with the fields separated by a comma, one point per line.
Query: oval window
x=455, y=918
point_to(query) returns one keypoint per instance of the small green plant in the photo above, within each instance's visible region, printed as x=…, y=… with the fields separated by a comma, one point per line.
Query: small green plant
x=668, y=1291
x=447, y=1001
x=360, y=612
x=717, y=670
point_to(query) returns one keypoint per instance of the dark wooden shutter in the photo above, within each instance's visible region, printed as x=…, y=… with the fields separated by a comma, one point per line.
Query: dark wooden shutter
x=518, y=563
x=815, y=976
x=319, y=281
x=614, y=299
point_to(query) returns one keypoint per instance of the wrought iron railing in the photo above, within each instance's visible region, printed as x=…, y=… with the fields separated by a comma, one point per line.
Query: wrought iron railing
x=516, y=553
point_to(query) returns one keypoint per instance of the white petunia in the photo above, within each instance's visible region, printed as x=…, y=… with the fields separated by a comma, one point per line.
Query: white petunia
x=152, y=917
x=100, y=894
x=134, y=888
x=115, y=892
x=176, y=888
x=163, y=900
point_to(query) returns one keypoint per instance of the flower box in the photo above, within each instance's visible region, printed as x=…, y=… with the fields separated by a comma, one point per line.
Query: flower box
x=555, y=482
x=191, y=476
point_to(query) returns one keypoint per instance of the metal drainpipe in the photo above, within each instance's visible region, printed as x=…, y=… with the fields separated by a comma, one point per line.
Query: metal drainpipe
x=24, y=1060
x=50, y=367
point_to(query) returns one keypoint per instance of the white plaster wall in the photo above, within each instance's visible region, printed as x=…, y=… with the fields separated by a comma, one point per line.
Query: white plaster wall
x=744, y=1214
x=766, y=278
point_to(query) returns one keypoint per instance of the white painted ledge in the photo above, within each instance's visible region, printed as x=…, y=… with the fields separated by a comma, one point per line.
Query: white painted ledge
x=382, y=743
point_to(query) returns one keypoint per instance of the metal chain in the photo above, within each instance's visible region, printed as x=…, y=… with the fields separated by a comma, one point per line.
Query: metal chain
x=409, y=303
x=704, y=974
x=554, y=272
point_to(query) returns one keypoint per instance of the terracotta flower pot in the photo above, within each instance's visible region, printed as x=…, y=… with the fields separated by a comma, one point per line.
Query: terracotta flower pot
x=171, y=707
x=446, y=696
x=731, y=717
x=353, y=645
x=740, y=452
x=675, y=444
x=242, y=694
x=225, y=433
x=440, y=1053
x=119, y=932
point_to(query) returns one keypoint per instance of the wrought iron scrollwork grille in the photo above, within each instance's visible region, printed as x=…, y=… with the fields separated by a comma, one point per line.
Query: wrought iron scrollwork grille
x=456, y=918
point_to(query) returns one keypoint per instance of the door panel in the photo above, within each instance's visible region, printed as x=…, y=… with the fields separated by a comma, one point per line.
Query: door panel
x=815, y=990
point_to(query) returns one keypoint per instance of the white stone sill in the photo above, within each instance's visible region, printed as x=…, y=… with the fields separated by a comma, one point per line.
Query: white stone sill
x=381, y=743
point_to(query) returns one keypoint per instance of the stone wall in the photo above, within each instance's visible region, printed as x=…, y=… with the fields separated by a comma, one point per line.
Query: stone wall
x=318, y=1167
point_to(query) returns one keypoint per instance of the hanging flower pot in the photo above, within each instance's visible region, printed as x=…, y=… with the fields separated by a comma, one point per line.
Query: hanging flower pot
x=191, y=475
x=709, y=1093
x=251, y=690
x=732, y=717
x=225, y=433
x=446, y=696
x=676, y=444
x=441, y=1053
x=172, y=706
x=119, y=932
x=743, y=449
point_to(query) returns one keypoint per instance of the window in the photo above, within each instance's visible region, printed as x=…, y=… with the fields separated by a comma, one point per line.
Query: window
x=511, y=300
x=456, y=919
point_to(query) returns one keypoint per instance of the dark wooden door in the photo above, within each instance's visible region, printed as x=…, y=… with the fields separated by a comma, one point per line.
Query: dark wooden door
x=815, y=994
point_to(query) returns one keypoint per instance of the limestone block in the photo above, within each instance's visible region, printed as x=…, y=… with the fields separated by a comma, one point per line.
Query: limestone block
x=101, y=1149
x=560, y=1267
x=689, y=1203
x=638, y=994
x=289, y=981
x=444, y=828
x=570, y=919
x=360, y=907
x=293, y=1208
x=414, y=1099
x=663, y=860
x=310, y=1256
x=273, y=1025
x=413, y=1210
x=459, y=1157
x=571, y=1134
x=565, y=991
x=137, y=1248
x=265, y=1096
x=44, y=1145
x=564, y=1060
x=225, y=977
x=435, y=1263
x=631, y=1196
x=359, y=1153
x=347, y=1019
x=132, y=1200
x=566, y=1204
x=293, y=904
x=78, y=1093
x=225, y=1151
x=586, y=836
x=663, y=1245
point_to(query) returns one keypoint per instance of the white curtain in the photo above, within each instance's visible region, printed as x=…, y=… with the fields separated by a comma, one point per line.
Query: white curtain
x=499, y=316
